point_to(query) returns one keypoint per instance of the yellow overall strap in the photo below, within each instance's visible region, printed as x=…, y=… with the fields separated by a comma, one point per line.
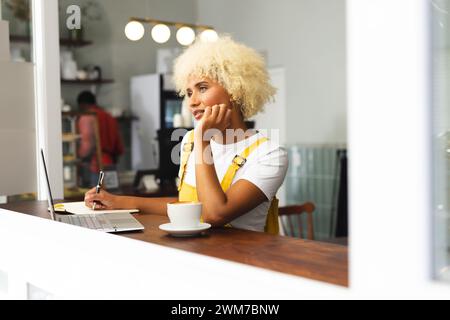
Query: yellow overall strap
x=272, y=226
x=185, y=153
x=237, y=163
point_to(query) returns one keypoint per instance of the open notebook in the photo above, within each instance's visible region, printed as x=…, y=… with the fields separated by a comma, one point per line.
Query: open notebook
x=80, y=208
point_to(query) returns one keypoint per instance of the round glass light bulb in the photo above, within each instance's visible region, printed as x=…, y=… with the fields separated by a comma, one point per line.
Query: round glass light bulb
x=160, y=33
x=209, y=35
x=134, y=30
x=185, y=36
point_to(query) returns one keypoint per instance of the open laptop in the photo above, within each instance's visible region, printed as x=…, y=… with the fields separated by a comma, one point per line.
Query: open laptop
x=109, y=222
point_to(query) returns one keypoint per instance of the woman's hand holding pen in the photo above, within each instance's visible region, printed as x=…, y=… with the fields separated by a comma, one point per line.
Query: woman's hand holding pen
x=103, y=200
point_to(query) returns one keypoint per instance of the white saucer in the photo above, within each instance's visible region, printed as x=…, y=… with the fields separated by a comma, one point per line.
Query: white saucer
x=184, y=232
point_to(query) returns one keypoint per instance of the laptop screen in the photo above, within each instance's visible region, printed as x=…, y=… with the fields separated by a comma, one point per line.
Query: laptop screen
x=49, y=191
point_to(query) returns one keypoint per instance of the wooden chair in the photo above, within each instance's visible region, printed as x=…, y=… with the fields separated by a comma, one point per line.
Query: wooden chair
x=297, y=210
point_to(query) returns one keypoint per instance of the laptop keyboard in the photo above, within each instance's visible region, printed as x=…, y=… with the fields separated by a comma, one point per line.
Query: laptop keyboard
x=89, y=221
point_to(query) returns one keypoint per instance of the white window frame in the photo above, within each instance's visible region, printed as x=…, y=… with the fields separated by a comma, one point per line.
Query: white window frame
x=389, y=146
x=391, y=214
x=48, y=95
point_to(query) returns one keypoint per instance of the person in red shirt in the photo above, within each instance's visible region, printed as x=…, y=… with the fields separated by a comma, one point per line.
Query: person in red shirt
x=108, y=129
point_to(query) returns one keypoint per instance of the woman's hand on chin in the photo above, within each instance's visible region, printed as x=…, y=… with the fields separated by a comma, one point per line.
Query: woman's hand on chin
x=215, y=119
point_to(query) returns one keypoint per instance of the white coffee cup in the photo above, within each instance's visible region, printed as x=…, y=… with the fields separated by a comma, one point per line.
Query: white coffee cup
x=184, y=214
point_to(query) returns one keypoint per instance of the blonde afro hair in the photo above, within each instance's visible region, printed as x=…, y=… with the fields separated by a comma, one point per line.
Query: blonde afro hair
x=236, y=67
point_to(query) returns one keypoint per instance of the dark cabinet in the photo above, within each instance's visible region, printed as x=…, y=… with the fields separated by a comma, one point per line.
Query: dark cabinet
x=169, y=141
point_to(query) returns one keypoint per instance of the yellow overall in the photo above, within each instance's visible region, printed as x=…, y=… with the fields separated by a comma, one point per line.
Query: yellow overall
x=189, y=193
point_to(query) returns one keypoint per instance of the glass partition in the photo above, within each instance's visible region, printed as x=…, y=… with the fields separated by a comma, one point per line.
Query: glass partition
x=131, y=80
x=18, y=14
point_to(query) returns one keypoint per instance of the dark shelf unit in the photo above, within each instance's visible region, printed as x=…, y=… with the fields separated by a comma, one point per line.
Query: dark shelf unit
x=63, y=41
x=127, y=118
x=67, y=43
x=103, y=81
x=74, y=43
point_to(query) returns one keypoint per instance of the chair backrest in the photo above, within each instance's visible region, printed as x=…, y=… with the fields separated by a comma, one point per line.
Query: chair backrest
x=297, y=210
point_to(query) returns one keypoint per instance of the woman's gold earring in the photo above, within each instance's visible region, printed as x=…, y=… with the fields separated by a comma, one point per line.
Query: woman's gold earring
x=234, y=102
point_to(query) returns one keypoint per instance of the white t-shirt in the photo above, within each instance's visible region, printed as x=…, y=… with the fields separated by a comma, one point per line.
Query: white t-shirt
x=266, y=168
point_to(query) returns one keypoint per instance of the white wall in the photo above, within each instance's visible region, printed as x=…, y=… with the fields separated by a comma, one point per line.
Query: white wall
x=30, y=117
x=307, y=37
x=17, y=123
x=4, y=41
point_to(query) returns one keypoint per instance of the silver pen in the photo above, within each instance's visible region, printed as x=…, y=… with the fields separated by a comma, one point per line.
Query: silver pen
x=99, y=186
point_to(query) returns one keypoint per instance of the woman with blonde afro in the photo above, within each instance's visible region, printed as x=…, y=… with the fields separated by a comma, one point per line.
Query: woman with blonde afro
x=233, y=171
